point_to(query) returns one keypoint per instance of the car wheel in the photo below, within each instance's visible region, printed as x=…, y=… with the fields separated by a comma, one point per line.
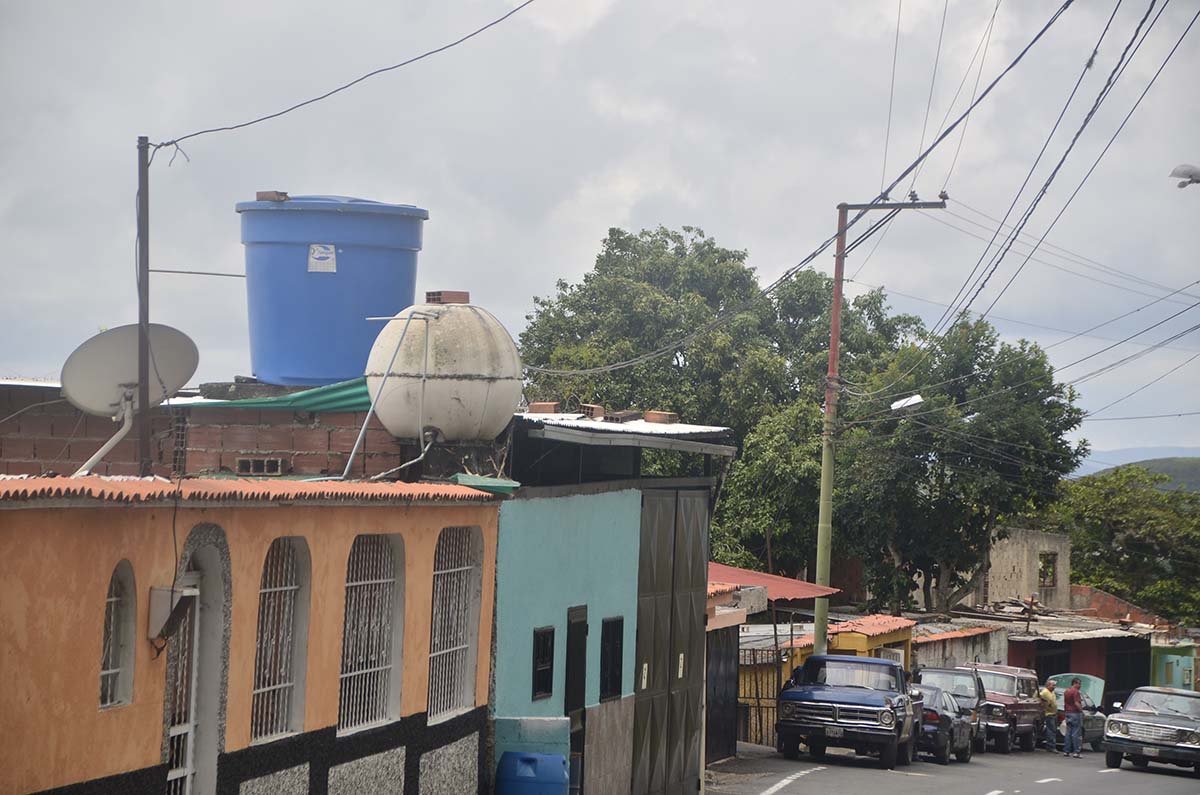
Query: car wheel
x=964, y=754
x=1028, y=741
x=1097, y=745
x=1112, y=759
x=789, y=747
x=1140, y=762
x=1004, y=742
x=980, y=742
x=942, y=754
x=887, y=755
x=905, y=753
x=816, y=750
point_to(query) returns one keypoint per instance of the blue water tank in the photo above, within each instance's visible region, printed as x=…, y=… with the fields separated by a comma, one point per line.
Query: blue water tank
x=532, y=774
x=316, y=268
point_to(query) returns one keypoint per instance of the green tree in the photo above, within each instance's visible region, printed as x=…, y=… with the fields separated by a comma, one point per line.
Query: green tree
x=1133, y=537
x=925, y=491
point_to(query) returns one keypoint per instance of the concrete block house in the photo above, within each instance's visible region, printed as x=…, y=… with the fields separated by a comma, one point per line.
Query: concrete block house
x=235, y=636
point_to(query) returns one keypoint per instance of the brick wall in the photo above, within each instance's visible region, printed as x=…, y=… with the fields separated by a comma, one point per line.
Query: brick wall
x=308, y=444
x=58, y=438
x=1101, y=604
x=193, y=440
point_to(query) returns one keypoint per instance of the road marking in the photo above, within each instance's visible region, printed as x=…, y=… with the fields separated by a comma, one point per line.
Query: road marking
x=1108, y=770
x=996, y=792
x=906, y=773
x=784, y=782
x=1047, y=780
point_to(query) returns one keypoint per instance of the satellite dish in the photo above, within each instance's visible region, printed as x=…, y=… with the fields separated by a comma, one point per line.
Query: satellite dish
x=102, y=371
x=101, y=376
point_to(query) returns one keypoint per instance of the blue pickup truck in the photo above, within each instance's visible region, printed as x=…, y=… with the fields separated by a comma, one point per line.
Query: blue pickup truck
x=862, y=703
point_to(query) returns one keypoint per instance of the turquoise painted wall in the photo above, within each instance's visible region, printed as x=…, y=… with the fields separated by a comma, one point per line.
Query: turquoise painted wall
x=554, y=554
x=1172, y=666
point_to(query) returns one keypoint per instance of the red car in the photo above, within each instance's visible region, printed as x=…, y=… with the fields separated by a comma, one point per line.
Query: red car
x=1013, y=712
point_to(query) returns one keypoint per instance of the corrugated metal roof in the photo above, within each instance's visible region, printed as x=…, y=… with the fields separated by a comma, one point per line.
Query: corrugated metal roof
x=777, y=587
x=1077, y=634
x=677, y=429
x=344, y=396
x=22, y=380
x=968, y=632
x=143, y=490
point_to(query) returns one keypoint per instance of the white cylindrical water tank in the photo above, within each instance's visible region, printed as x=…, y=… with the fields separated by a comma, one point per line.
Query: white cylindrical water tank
x=457, y=370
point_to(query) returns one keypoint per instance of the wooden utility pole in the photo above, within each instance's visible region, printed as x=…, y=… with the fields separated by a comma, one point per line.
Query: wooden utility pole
x=825, y=507
x=145, y=464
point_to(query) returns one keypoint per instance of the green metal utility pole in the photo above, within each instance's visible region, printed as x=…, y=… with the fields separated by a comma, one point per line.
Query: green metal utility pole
x=825, y=508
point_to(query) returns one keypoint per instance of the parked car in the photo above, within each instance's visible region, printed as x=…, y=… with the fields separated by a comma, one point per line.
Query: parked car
x=1092, y=691
x=945, y=725
x=1013, y=712
x=967, y=689
x=862, y=703
x=1156, y=724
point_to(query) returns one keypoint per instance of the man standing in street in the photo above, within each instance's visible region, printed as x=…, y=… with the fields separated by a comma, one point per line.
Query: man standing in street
x=1073, y=707
x=1049, y=716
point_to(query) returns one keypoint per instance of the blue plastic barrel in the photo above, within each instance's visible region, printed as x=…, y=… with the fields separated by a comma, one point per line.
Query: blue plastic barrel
x=532, y=774
x=316, y=268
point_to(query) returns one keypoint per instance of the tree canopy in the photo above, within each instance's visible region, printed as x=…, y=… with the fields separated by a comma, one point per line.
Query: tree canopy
x=920, y=493
x=1133, y=537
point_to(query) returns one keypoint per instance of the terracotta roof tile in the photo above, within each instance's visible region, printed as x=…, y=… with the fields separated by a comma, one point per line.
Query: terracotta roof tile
x=777, y=587
x=141, y=490
x=719, y=588
x=871, y=626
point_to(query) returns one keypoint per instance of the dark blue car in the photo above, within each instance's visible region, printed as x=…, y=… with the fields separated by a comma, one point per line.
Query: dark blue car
x=862, y=703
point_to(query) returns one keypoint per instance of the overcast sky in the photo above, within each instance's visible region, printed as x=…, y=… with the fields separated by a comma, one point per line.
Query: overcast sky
x=751, y=120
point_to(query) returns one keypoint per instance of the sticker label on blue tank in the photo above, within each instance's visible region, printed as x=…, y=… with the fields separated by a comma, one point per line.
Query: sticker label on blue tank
x=322, y=258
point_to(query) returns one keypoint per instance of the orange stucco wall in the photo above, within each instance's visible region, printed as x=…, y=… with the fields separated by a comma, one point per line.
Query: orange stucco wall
x=55, y=566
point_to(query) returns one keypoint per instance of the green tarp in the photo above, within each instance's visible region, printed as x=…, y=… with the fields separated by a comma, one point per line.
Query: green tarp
x=349, y=395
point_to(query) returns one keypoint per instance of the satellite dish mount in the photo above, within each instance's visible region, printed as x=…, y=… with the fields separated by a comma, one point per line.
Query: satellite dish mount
x=100, y=377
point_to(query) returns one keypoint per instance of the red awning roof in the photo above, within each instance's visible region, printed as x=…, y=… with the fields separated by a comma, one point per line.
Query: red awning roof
x=777, y=587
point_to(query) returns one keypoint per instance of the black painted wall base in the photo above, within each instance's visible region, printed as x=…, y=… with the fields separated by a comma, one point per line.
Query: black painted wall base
x=320, y=750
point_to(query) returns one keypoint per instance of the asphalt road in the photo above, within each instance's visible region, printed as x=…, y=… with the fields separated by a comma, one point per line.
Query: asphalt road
x=762, y=771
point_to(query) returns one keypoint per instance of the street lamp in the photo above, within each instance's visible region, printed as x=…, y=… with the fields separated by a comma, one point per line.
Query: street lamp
x=1189, y=174
x=908, y=402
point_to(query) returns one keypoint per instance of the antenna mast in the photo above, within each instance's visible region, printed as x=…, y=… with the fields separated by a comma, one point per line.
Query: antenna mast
x=143, y=282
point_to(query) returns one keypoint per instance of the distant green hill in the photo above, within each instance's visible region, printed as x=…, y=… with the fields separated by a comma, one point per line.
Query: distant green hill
x=1184, y=472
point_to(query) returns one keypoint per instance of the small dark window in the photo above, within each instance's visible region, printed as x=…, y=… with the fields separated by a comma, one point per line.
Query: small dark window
x=543, y=662
x=612, y=634
x=1048, y=569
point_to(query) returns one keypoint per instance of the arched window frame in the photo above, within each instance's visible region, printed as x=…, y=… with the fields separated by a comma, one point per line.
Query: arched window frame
x=117, y=639
x=372, y=633
x=281, y=641
x=454, y=627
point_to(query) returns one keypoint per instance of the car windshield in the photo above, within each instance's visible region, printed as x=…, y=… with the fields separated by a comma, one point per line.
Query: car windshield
x=999, y=683
x=846, y=673
x=1164, y=703
x=954, y=684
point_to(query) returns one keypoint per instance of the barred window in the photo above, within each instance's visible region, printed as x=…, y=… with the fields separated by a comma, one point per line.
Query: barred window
x=116, y=656
x=277, y=706
x=454, y=635
x=371, y=635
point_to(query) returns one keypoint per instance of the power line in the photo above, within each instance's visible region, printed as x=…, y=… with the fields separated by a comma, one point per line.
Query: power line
x=987, y=43
x=1142, y=417
x=887, y=134
x=937, y=57
x=176, y=141
x=1067, y=254
x=1055, y=329
x=964, y=288
x=1055, y=266
x=684, y=340
x=875, y=417
x=1111, y=140
x=1076, y=335
x=1147, y=385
